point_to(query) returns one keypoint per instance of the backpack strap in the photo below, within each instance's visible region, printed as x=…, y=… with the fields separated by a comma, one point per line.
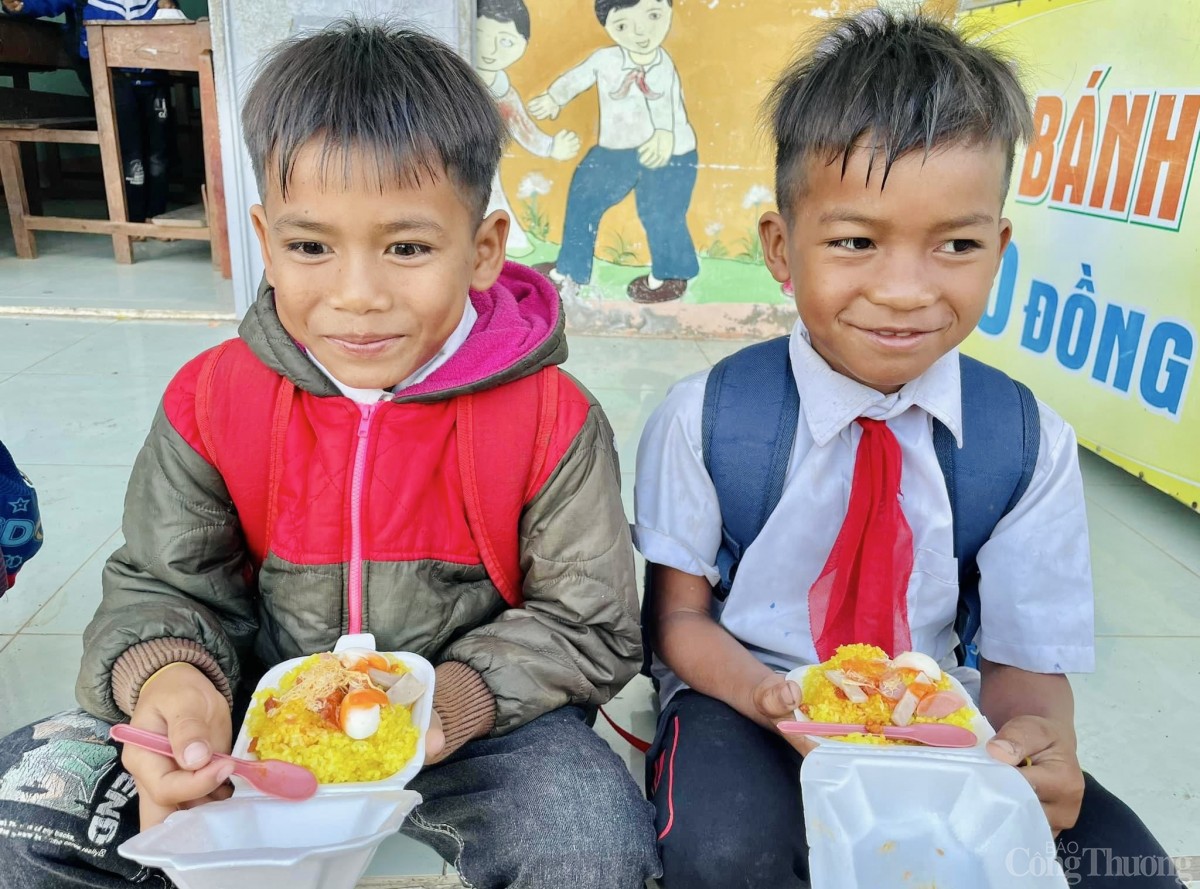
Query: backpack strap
x=237, y=442
x=501, y=459
x=986, y=477
x=748, y=427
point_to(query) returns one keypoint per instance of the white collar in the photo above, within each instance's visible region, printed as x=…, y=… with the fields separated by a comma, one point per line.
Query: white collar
x=445, y=353
x=832, y=401
x=628, y=64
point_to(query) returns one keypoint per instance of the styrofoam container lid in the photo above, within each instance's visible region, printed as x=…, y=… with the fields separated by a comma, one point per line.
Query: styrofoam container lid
x=422, y=713
x=903, y=817
x=258, y=841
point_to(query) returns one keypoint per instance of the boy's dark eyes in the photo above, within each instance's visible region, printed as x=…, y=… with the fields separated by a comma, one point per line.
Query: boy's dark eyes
x=853, y=244
x=960, y=246
x=408, y=250
x=316, y=248
x=307, y=248
x=955, y=247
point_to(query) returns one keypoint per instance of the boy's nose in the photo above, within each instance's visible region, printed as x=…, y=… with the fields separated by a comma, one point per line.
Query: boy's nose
x=359, y=292
x=904, y=286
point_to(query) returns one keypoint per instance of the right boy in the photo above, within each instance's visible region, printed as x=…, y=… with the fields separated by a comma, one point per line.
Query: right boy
x=894, y=148
x=314, y=478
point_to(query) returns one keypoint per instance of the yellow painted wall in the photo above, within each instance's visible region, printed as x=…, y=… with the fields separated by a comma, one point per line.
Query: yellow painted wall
x=728, y=54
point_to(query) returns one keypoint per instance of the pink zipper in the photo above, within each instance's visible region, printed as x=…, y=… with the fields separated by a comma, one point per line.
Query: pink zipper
x=354, y=588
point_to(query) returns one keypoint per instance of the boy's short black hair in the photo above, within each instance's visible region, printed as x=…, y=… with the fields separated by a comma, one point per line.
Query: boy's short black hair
x=894, y=84
x=513, y=12
x=403, y=97
x=604, y=7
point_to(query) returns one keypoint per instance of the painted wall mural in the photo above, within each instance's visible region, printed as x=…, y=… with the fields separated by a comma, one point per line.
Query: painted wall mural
x=638, y=167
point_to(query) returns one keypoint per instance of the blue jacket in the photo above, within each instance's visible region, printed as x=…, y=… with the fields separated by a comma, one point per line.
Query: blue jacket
x=20, y=522
x=93, y=11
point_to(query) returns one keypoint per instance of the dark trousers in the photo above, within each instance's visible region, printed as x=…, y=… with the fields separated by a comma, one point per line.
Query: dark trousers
x=730, y=815
x=602, y=180
x=143, y=130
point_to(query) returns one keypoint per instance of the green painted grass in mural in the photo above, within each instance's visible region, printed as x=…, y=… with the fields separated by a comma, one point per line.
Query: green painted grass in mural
x=720, y=280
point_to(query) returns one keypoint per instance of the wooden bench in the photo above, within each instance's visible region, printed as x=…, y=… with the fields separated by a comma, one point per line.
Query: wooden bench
x=170, y=46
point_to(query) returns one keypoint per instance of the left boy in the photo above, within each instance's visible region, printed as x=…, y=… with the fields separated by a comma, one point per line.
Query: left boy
x=646, y=146
x=388, y=319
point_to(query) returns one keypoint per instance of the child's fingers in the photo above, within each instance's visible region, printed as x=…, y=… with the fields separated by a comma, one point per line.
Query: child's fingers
x=776, y=698
x=181, y=786
x=1024, y=736
x=435, y=739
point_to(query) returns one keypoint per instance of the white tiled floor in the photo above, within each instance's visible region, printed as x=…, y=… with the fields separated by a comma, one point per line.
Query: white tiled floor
x=76, y=398
x=78, y=271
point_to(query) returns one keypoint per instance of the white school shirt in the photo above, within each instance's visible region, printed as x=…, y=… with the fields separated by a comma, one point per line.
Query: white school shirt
x=444, y=354
x=628, y=117
x=1036, y=585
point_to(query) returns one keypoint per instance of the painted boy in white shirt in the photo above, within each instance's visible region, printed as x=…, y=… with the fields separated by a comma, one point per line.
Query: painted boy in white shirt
x=646, y=146
x=895, y=143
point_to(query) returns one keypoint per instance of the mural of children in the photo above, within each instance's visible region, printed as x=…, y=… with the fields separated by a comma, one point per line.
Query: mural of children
x=501, y=38
x=646, y=145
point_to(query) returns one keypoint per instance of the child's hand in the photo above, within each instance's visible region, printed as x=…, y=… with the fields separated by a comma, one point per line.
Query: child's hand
x=566, y=145
x=776, y=699
x=1048, y=762
x=14, y=5
x=543, y=107
x=435, y=739
x=182, y=703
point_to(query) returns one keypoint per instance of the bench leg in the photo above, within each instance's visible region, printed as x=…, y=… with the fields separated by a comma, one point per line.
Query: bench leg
x=110, y=148
x=17, y=200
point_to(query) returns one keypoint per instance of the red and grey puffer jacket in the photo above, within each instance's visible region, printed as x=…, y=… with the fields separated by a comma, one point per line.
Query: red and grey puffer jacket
x=371, y=533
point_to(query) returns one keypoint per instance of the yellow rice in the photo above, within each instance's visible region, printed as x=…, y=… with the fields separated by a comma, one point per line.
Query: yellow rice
x=823, y=704
x=296, y=734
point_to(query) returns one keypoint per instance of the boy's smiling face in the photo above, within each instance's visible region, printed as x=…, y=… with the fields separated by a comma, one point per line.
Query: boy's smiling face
x=497, y=44
x=642, y=28
x=372, y=278
x=889, y=279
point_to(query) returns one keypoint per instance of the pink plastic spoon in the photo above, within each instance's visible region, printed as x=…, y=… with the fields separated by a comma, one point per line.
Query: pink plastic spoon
x=931, y=734
x=272, y=776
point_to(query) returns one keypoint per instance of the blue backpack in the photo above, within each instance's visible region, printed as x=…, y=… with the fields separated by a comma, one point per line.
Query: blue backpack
x=20, y=521
x=751, y=408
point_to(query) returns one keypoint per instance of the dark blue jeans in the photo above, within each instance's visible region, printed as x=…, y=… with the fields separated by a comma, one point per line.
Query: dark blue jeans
x=548, y=805
x=731, y=816
x=602, y=180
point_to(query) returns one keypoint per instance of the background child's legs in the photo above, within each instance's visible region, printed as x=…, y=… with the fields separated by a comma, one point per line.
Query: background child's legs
x=130, y=138
x=663, y=198
x=601, y=181
x=1110, y=848
x=65, y=806
x=549, y=804
x=154, y=108
x=727, y=795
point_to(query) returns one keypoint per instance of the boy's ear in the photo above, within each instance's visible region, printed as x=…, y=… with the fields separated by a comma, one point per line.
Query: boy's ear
x=491, y=240
x=773, y=232
x=258, y=218
x=1006, y=232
